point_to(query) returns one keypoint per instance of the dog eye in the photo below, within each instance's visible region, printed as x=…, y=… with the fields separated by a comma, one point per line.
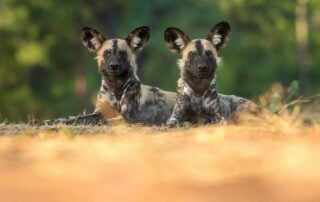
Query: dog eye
x=191, y=54
x=122, y=52
x=107, y=52
x=209, y=54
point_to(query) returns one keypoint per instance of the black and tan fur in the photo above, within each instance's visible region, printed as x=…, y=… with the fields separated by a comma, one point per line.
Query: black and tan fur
x=197, y=99
x=121, y=95
x=121, y=92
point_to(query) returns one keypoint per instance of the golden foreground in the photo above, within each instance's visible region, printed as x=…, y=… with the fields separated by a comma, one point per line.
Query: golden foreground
x=273, y=161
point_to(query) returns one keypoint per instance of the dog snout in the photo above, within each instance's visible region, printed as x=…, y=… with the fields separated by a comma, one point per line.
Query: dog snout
x=203, y=68
x=114, y=66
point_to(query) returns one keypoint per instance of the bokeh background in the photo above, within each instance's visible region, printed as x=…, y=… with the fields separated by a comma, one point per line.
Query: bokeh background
x=46, y=72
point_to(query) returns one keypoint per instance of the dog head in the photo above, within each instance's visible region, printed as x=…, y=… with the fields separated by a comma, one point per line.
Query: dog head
x=199, y=57
x=116, y=57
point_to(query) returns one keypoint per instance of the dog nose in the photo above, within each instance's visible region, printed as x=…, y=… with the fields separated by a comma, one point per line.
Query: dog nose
x=114, y=66
x=203, y=68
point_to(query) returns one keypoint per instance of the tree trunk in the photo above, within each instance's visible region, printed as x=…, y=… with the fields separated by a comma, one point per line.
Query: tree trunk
x=303, y=57
x=80, y=82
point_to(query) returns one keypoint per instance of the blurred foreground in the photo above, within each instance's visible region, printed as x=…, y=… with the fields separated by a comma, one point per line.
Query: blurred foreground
x=277, y=160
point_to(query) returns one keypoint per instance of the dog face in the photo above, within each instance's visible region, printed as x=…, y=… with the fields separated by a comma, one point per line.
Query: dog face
x=116, y=57
x=199, y=56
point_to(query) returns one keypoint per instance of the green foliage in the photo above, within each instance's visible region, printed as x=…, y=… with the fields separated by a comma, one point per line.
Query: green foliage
x=42, y=60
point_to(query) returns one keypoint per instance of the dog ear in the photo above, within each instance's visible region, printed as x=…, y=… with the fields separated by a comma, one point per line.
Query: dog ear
x=138, y=38
x=91, y=39
x=219, y=35
x=176, y=39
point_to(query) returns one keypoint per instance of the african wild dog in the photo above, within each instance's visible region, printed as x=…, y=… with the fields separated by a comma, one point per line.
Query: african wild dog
x=197, y=97
x=121, y=90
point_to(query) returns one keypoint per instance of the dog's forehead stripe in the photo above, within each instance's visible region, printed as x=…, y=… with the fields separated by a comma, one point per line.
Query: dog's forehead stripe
x=199, y=47
x=114, y=46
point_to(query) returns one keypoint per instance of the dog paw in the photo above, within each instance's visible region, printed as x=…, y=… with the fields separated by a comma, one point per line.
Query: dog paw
x=172, y=122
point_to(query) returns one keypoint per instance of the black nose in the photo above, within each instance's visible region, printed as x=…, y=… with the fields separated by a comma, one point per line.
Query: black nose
x=114, y=66
x=203, y=68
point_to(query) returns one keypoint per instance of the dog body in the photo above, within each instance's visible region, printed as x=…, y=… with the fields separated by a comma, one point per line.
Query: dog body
x=207, y=107
x=121, y=95
x=197, y=98
x=136, y=103
x=121, y=92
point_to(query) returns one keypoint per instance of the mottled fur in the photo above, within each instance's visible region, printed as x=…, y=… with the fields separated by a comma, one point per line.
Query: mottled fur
x=121, y=95
x=197, y=99
x=121, y=91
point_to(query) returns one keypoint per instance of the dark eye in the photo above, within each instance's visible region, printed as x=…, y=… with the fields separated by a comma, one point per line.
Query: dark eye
x=122, y=52
x=107, y=52
x=191, y=54
x=209, y=54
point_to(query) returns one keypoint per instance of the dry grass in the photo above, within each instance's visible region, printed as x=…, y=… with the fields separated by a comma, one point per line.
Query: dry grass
x=274, y=160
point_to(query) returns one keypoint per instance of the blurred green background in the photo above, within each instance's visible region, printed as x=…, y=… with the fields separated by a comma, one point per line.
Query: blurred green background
x=46, y=72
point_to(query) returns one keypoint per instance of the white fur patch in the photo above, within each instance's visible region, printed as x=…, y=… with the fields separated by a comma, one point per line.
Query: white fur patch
x=187, y=90
x=102, y=84
x=107, y=97
x=133, y=63
x=172, y=121
x=179, y=42
x=214, y=81
x=98, y=60
x=135, y=42
x=95, y=42
x=181, y=63
x=124, y=107
x=219, y=60
x=217, y=39
x=208, y=102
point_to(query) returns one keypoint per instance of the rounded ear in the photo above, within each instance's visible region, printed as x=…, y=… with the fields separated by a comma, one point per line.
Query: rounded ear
x=138, y=38
x=91, y=39
x=176, y=39
x=219, y=35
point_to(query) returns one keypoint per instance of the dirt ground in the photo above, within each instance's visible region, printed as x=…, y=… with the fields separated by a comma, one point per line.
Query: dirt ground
x=271, y=161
